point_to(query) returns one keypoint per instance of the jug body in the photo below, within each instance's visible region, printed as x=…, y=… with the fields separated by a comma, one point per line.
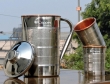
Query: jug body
x=43, y=32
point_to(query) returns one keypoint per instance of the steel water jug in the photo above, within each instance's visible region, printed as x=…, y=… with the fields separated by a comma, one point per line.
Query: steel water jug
x=43, y=32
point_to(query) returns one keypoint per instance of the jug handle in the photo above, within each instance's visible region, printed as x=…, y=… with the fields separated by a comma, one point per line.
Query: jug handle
x=68, y=38
x=24, y=25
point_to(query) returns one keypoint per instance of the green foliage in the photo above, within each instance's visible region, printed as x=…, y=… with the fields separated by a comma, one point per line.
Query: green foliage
x=107, y=58
x=75, y=61
x=107, y=62
x=76, y=38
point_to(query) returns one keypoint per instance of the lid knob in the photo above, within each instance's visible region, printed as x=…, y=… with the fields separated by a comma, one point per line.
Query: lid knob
x=13, y=56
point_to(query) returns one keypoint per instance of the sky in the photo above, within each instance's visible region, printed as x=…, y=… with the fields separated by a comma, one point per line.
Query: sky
x=64, y=8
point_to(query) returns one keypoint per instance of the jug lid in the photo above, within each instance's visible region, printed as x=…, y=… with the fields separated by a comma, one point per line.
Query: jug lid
x=19, y=59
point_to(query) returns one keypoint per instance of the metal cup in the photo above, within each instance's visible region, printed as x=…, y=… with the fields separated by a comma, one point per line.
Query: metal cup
x=94, y=60
x=89, y=32
x=43, y=32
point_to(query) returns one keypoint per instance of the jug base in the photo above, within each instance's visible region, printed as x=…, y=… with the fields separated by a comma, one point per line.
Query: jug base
x=41, y=71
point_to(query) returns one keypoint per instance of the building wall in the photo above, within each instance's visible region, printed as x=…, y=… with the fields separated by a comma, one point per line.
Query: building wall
x=4, y=47
x=17, y=32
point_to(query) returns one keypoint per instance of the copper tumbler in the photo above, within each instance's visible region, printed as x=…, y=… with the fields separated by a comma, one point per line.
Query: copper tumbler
x=89, y=32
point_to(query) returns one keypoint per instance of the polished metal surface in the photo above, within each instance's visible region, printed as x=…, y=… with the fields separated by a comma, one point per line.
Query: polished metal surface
x=34, y=80
x=68, y=38
x=105, y=82
x=66, y=77
x=89, y=33
x=42, y=80
x=94, y=60
x=14, y=81
x=104, y=79
x=19, y=59
x=43, y=32
x=93, y=79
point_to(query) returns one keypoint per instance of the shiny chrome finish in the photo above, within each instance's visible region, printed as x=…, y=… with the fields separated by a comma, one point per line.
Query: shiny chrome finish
x=94, y=60
x=43, y=32
x=68, y=38
x=19, y=59
x=42, y=80
x=13, y=81
x=93, y=79
x=89, y=32
x=104, y=82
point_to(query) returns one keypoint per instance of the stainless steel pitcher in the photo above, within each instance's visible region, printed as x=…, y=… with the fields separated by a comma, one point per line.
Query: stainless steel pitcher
x=43, y=32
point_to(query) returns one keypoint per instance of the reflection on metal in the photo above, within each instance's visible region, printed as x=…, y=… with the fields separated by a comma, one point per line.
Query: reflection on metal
x=43, y=32
x=104, y=79
x=42, y=80
x=104, y=82
x=94, y=60
x=93, y=79
x=13, y=81
x=34, y=80
x=66, y=77
x=89, y=32
x=19, y=59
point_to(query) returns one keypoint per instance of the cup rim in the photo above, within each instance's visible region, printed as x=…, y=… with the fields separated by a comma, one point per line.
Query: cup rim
x=82, y=21
x=94, y=46
x=41, y=15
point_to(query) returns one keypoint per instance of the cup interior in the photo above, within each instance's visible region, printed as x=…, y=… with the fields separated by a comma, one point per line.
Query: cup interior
x=84, y=24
